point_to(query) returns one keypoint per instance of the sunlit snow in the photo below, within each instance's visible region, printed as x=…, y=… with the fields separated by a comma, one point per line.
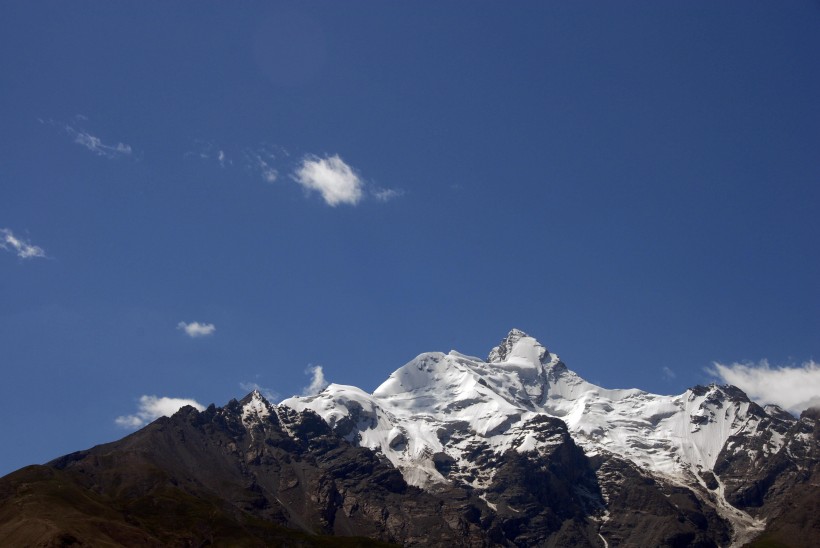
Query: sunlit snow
x=446, y=404
x=437, y=394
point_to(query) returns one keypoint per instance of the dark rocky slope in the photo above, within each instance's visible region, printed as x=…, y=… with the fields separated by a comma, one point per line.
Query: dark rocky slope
x=210, y=478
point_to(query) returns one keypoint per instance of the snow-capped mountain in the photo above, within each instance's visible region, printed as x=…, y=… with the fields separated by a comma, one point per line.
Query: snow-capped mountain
x=433, y=418
x=415, y=413
x=451, y=450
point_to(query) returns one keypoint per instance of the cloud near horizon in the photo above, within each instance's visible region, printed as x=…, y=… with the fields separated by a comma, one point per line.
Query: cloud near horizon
x=317, y=381
x=150, y=408
x=23, y=249
x=336, y=181
x=794, y=388
x=196, y=329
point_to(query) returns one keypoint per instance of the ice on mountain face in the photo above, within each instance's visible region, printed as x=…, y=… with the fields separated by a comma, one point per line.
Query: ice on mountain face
x=350, y=411
x=440, y=414
x=424, y=371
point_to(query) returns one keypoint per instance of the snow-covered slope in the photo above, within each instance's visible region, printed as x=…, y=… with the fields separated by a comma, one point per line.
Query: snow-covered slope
x=440, y=405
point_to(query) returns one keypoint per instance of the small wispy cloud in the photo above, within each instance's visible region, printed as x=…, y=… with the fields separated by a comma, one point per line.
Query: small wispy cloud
x=22, y=248
x=317, y=380
x=196, y=329
x=794, y=388
x=95, y=144
x=150, y=408
x=262, y=160
x=387, y=194
x=210, y=151
x=86, y=139
x=269, y=394
x=268, y=173
x=336, y=181
x=668, y=373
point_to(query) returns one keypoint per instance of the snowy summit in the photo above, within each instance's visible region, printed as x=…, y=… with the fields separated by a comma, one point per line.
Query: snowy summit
x=411, y=416
x=442, y=408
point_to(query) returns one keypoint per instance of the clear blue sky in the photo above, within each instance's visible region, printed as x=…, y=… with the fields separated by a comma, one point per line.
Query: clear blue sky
x=636, y=185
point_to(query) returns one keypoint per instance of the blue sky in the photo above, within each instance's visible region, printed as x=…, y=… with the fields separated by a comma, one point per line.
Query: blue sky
x=347, y=185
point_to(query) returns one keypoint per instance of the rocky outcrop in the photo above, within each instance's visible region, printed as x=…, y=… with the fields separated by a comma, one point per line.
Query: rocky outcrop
x=785, y=488
x=643, y=509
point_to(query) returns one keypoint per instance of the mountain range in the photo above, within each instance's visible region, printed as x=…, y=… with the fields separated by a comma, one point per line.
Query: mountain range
x=512, y=450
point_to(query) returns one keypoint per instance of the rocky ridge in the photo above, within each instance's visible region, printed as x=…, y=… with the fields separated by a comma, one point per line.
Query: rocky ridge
x=517, y=450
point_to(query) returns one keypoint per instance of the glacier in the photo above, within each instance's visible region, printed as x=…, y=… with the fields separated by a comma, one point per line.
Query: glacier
x=411, y=417
x=440, y=416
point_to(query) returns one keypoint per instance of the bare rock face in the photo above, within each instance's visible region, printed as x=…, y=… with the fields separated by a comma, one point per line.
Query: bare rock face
x=645, y=510
x=784, y=489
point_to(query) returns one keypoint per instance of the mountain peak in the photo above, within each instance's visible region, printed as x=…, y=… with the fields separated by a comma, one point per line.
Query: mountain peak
x=253, y=395
x=518, y=344
x=254, y=407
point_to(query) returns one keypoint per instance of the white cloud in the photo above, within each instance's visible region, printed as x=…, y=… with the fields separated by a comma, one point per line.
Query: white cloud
x=269, y=394
x=261, y=160
x=196, y=329
x=151, y=408
x=268, y=173
x=317, y=381
x=95, y=144
x=387, y=194
x=793, y=388
x=668, y=373
x=208, y=150
x=336, y=181
x=23, y=249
